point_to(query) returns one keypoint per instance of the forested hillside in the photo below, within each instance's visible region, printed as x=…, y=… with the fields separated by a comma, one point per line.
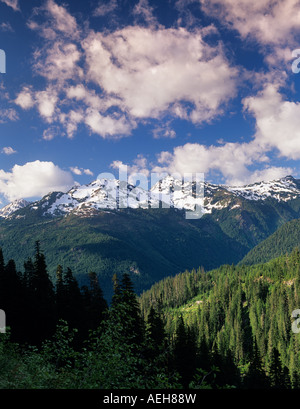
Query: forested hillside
x=225, y=328
x=150, y=245
x=283, y=241
x=239, y=313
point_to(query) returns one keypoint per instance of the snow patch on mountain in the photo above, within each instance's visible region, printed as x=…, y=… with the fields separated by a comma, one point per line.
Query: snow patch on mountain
x=12, y=207
x=105, y=195
x=282, y=190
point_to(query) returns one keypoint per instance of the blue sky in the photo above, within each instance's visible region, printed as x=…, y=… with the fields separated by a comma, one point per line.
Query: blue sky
x=159, y=86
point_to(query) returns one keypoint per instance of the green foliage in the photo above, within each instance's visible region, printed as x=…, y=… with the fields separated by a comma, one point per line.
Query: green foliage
x=241, y=315
x=221, y=329
x=282, y=242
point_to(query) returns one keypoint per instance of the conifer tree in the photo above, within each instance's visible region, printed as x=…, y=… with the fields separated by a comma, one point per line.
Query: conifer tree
x=94, y=304
x=134, y=323
x=275, y=370
x=156, y=335
x=42, y=319
x=256, y=376
x=184, y=352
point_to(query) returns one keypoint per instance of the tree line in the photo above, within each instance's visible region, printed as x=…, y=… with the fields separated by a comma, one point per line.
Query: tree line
x=226, y=328
x=242, y=314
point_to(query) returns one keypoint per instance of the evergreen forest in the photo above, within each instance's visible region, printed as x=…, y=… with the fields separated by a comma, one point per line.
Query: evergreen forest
x=228, y=328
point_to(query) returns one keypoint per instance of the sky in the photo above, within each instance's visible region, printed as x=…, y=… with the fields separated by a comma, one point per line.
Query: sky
x=165, y=86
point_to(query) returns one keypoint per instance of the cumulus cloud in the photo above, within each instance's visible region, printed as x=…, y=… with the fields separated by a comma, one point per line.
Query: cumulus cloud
x=274, y=25
x=5, y=26
x=45, y=101
x=25, y=98
x=277, y=121
x=268, y=174
x=148, y=70
x=269, y=21
x=58, y=22
x=164, y=131
x=232, y=160
x=139, y=166
x=8, y=114
x=81, y=171
x=34, y=179
x=8, y=150
x=58, y=62
x=14, y=4
x=144, y=11
x=105, y=8
x=111, y=81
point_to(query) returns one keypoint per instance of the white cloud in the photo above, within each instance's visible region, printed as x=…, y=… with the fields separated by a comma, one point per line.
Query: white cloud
x=6, y=26
x=34, y=179
x=88, y=172
x=107, y=126
x=50, y=133
x=232, y=160
x=273, y=24
x=152, y=70
x=164, y=131
x=268, y=174
x=8, y=114
x=46, y=103
x=25, y=98
x=114, y=80
x=58, y=62
x=79, y=171
x=277, y=121
x=14, y=4
x=139, y=166
x=8, y=150
x=143, y=10
x=61, y=19
x=269, y=21
x=105, y=8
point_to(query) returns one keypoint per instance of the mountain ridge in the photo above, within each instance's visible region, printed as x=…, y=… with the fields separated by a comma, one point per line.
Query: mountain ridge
x=105, y=194
x=76, y=231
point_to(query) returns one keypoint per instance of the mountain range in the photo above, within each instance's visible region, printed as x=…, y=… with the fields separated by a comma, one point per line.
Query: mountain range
x=111, y=227
x=107, y=194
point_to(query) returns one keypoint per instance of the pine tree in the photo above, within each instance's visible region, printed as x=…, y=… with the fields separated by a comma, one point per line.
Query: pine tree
x=184, y=352
x=42, y=318
x=275, y=370
x=59, y=292
x=134, y=328
x=94, y=304
x=256, y=377
x=156, y=334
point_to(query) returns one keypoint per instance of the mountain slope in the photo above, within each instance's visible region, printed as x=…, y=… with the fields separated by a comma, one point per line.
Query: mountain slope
x=283, y=241
x=227, y=308
x=85, y=228
x=13, y=207
x=150, y=245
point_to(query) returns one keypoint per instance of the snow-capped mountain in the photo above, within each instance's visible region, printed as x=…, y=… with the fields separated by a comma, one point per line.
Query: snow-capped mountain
x=12, y=207
x=283, y=189
x=105, y=194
